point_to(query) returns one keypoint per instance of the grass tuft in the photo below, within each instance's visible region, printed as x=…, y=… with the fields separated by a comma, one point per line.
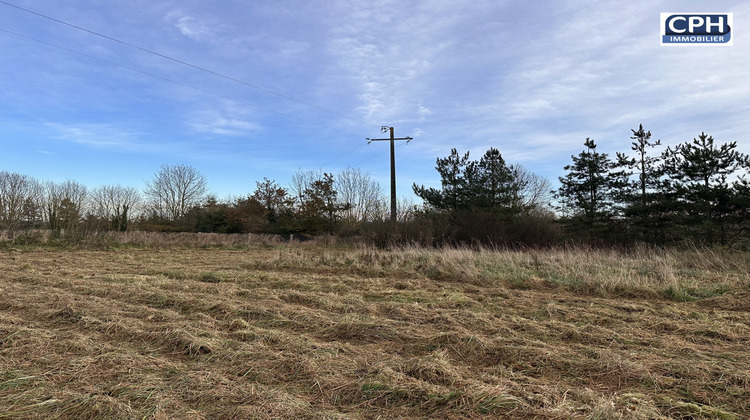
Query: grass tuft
x=210, y=277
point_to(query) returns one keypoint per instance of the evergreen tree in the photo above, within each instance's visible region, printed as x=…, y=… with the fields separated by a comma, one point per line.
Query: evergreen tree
x=275, y=199
x=700, y=172
x=319, y=209
x=647, y=166
x=492, y=185
x=248, y=215
x=119, y=221
x=645, y=199
x=588, y=190
x=487, y=184
x=210, y=217
x=32, y=213
x=478, y=200
x=740, y=205
x=453, y=192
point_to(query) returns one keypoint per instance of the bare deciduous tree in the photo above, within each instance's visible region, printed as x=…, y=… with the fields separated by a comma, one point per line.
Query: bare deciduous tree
x=407, y=208
x=174, y=190
x=17, y=192
x=116, y=205
x=301, y=181
x=536, y=191
x=64, y=205
x=363, y=195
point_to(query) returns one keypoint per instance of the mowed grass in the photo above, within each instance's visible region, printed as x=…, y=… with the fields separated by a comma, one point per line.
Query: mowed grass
x=294, y=331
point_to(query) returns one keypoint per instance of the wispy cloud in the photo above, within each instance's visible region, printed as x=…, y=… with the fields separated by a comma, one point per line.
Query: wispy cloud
x=227, y=120
x=384, y=51
x=98, y=135
x=192, y=27
x=568, y=83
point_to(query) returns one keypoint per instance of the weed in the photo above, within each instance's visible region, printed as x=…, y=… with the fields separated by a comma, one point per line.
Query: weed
x=210, y=277
x=678, y=294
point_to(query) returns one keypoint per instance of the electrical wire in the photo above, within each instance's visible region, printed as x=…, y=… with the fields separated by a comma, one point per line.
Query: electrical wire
x=321, y=166
x=377, y=155
x=341, y=156
x=184, y=63
x=346, y=153
x=178, y=82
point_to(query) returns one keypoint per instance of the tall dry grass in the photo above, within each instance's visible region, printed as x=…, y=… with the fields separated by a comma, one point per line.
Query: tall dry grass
x=103, y=240
x=678, y=274
x=681, y=274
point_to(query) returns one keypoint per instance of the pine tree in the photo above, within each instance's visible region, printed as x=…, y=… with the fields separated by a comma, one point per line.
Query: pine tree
x=319, y=210
x=647, y=166
x=488, y=184
x=700, y=172
x=453, y=193
x=479, y=200
x=644, y=198
x=740, y=205
x=491, y=184
x=587, y=191
x=274, y=198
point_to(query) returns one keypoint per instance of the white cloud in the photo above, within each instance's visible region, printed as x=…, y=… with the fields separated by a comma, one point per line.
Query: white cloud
x=231, y=121
x=566, y=84
x=103, y=136
x=192, y=27
x=383, y=51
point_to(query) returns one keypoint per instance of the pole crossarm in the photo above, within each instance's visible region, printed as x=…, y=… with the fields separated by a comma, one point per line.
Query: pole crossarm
x=408, y=139
x=392, y=139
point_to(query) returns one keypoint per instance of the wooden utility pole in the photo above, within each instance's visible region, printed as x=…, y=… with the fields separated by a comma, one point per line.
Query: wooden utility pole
x=393, y=166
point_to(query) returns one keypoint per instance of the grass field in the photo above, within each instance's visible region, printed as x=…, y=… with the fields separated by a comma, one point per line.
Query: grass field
x=300, y=331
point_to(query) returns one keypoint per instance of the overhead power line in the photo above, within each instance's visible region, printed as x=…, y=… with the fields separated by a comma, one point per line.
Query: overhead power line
x=212, y=72
x=184, y=63
x=376, y=155
x=166, y=79
x=177, y=82
x=347, y=153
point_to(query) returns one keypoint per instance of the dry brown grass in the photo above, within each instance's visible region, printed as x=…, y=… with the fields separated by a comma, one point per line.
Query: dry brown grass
x=293, y=331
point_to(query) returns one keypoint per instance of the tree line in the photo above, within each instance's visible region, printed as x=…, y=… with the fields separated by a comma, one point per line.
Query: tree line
x=697, y=191
x=177, y=198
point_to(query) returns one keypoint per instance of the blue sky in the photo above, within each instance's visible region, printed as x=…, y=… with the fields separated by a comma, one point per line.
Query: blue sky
x=533, y=79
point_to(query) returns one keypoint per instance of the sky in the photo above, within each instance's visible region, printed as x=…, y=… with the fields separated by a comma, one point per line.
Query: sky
x=104, y=92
